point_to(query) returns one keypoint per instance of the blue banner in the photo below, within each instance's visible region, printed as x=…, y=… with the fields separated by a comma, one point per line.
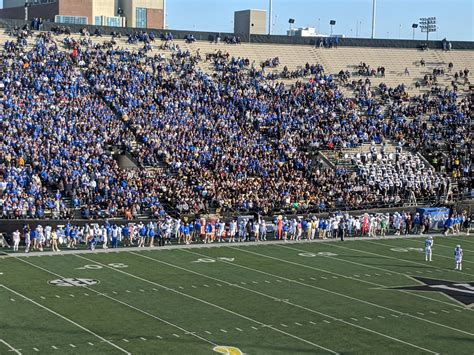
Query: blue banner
x=437, y=215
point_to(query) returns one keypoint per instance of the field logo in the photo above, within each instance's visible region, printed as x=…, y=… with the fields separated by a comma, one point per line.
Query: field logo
x=462, y=292
x=73, y=282
x=227, y=350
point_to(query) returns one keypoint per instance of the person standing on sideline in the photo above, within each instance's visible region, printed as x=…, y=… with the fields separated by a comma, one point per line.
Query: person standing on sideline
x=54, y=241
x=458, y=257
x=16, y=240
x=428, y=246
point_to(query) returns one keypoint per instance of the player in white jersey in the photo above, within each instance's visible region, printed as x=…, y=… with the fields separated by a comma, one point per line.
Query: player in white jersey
x=16, y=240
x=428, y=246
x=458, y=257
x=232, y=231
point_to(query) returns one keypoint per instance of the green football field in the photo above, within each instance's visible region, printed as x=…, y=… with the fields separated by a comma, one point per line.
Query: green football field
x=292, y=298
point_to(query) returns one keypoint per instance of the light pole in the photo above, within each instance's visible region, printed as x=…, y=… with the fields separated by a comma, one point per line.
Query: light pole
x=374, y=5
x=332, y=23
x=319, y=25
x=414, y=26
x=428, y=24
x=291, y=21
x=270, y=18
x=399, y=31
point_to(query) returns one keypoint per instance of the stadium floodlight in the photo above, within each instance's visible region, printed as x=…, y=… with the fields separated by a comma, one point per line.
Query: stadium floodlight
x=291, y=21
x=332, y=23
x=428, y=24
x=414, y=26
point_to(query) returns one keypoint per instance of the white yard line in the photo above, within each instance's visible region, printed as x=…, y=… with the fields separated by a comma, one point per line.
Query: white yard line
x=210, y=304
x=128, y=305
x=9, y=346
x=370, y=282
x=275, y=298
x=66, y=319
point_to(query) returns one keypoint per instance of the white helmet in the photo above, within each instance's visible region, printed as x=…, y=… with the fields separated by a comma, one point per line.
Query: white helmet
x=458, y=246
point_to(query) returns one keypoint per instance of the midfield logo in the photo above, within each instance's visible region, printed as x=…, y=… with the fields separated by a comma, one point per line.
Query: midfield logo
x=463, y=292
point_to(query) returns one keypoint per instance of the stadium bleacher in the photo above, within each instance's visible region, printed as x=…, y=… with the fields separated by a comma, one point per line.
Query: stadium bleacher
x=219, y=134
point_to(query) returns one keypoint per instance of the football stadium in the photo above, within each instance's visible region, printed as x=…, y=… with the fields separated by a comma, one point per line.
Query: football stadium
x=209, y=177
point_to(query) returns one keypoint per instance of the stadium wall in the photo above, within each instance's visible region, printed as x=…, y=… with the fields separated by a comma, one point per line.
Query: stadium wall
x=273, y=39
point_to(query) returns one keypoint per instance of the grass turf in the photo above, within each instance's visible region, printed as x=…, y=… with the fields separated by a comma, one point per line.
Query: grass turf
x=301, y=298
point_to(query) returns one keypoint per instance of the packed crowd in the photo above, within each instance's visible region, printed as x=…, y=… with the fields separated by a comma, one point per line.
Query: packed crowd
x=167, y=230
x=229, y=140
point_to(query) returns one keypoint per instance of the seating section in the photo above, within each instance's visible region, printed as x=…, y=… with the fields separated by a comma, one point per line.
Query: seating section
x=212, y=130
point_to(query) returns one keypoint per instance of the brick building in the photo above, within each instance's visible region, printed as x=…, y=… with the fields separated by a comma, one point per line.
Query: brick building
x=133, y=13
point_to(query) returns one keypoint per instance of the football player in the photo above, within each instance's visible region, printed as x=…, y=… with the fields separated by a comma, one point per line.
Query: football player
x=428, y=246
x=458, y=257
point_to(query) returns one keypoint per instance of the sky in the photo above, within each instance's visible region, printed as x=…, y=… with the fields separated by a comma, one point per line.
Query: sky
x=353, y=17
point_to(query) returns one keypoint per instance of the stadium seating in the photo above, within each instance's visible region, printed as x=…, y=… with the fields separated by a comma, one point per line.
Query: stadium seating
x=216, y=134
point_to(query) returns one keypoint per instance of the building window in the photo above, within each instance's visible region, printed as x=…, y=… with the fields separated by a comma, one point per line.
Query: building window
x=141, y=17
x=71, y=20
x=114, y=21
x=98, y=21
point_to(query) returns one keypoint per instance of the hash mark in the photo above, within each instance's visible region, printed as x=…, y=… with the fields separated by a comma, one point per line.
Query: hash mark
x=223, y=331
x=312, y=278
x=193, y=286
x=12, y=299
x=181, y=287
x=283, y=325
x=159, y=337
x=421, y=314
x=54, y=347
x=128, y=291
x=301, y=279
x=243, y=283
x=86, y=294
x=91, y=344
x=368, y=275
x=240, y=330
x=278, y=280
x=35, y=349
x=71, y=295
x=255, y=282
x=394, y=315
x=43, y=298
x=141, y=290
x=433, y=312
x=325, y=278
x=206, y=285
x=57, y=296
x=72, y=345
x=299, y=324
x=207, y=332
x=114, y=292
x=312, y=322
x=445, y=311
x=254, y=327
x=368, y=318
x=326, y=321
x=125, y=340
x=382, y=317
x=176, y=335
x=267, y=281
x=355, y=319
x=142, y=338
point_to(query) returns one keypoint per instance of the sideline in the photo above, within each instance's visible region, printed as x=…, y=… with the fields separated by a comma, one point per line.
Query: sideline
x=99, y=250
